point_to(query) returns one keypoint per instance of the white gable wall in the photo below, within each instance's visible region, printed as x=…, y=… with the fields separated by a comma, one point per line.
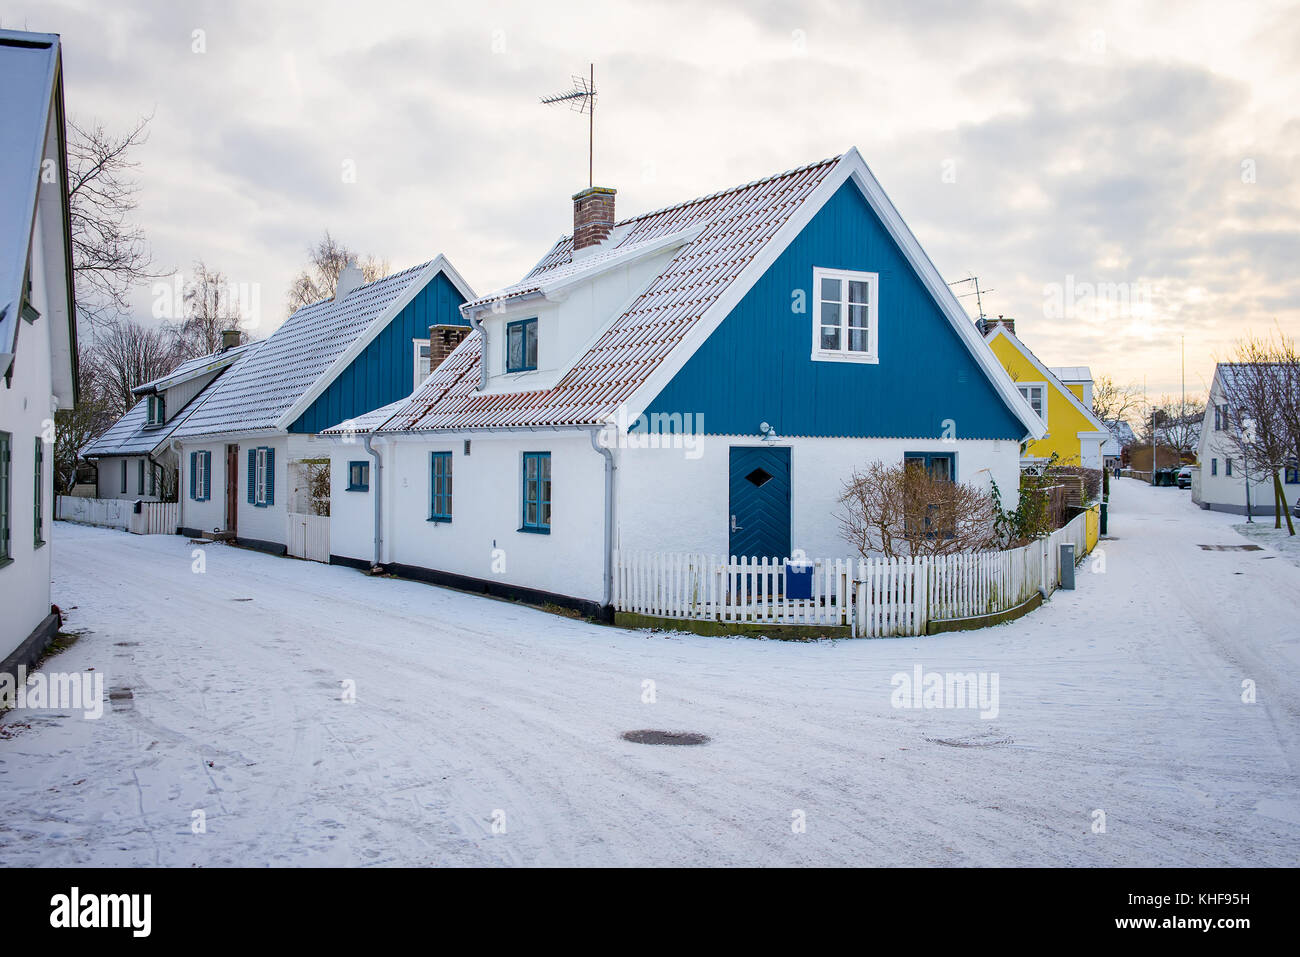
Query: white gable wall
x=1227, y=493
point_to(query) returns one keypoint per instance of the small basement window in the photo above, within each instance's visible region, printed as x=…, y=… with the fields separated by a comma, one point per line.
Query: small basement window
x=521, y=345
x=358, y=476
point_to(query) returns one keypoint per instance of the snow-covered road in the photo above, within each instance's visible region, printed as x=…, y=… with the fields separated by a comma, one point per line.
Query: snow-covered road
x=1124, y=696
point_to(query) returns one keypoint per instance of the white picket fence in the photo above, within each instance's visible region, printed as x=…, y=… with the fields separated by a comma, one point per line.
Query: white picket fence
x=874, y=597
x=308, y=536
x=154, y=518
x=158, y=518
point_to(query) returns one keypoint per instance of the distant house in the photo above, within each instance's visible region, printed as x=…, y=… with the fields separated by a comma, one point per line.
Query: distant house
x=1121, y=438
x=1224, y=474
x=702, y=378
x=1062, y=402
x=38, y=332
x=135, y=458
x=243, y=447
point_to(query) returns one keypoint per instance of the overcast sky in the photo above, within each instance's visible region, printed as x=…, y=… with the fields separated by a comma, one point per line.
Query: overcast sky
x=1152, y=148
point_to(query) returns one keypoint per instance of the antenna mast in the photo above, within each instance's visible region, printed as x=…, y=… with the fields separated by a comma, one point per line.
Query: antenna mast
x=582, y=98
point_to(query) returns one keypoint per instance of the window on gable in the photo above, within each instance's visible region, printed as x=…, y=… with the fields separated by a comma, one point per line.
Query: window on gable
x=537, y=492
x=440, y=486
x=844, y=315
x=1035, y=394
x=1227, y=466
x=5, y=556
x=521, y=345
x=421, y=349
x=358, y=476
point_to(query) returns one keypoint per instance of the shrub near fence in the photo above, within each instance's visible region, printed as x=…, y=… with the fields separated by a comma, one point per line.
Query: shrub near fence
x=874, y=597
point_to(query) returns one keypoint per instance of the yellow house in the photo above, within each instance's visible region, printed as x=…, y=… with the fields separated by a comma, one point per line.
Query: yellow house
x=1061, y=397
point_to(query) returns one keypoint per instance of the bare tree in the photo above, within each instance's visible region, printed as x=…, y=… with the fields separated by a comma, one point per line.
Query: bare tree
x=325, y=261
x=1112, y=402
x=1254, y=388
x=210, y=309
x=896, y=510
x=109, y=251
x=128, y=354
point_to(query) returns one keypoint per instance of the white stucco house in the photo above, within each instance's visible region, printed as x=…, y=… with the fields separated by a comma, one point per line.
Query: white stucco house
x=700, y=378
x=38, y=332
x=243, y=448
x=134, y=458
x=1226, y=479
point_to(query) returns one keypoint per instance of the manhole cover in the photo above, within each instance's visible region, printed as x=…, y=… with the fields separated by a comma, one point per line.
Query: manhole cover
x=664, y=737
x=983, y=739
x=1232, y=548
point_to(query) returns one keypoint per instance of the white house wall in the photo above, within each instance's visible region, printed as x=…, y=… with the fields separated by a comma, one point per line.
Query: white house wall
x=486, y=511
x=1227, y=493
x=25, y=408
x=670, y=502
x=206, y=516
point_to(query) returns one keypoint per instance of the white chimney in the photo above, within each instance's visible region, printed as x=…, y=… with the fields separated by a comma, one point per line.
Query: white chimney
x=350, y=278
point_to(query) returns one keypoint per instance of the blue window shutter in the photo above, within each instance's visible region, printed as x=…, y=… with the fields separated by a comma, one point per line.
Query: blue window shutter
x=252, y=476
x=270, y=477
x=194, y=457
x=207, y=476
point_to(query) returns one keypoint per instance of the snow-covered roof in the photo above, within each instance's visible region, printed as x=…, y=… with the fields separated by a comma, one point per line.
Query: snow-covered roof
x=723, y=243
x=192, y=368
x=133, y=435
x=303, y=355
x=1072, y=373
x=31, y=131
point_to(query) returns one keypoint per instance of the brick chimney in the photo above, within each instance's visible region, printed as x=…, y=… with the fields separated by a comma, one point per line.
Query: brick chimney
x=442, y=341
x=988, y=324
x=593, y=216
x=230, y=339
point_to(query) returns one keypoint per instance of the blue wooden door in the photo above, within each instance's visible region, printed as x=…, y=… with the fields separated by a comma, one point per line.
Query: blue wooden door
x=760, y=501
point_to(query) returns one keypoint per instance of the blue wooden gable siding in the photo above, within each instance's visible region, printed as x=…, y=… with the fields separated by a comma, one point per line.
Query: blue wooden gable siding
x=757, y=367
x=385, y=371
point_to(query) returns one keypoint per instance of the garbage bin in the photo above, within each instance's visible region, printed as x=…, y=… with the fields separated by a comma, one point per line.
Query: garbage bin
x=1067, y=565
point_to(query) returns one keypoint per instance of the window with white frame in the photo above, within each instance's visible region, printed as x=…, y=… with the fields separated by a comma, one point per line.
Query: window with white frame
x=1035, y=394
x=844, y=315
x=421, y=349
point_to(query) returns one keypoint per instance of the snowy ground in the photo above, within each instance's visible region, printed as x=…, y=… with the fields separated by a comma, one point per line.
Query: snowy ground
x=1280, y=540
x=1124, y=696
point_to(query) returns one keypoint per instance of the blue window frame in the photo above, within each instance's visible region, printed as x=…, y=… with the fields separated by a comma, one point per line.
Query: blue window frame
x=1227, y=466
x=200, y=481
x=139, y=477
x=938, y=465
x=156, y=410
x=521, y=345
x=124, y=476
x=359, y=476
x=38, y=498
x=440, y=486
x=1214, y=466
x=537, y=493
x=5, y=442
x=1291, y=475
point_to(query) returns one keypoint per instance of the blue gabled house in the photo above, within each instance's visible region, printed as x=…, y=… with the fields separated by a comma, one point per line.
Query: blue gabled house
x=702, y=378
x=244, y=448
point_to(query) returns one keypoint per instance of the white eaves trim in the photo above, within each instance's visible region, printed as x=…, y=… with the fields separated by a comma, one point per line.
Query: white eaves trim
x=1049, y=377
x=850, y=165
x=377, y=325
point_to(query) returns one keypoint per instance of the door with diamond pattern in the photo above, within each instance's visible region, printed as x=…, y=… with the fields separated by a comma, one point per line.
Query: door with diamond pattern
x=760, y=501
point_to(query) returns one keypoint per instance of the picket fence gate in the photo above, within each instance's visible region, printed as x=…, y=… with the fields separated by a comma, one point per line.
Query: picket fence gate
x=873, y=597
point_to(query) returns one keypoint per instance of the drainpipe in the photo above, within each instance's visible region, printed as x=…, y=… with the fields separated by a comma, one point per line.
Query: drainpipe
x=482, y=351
x=379, y=499
x=608, y=586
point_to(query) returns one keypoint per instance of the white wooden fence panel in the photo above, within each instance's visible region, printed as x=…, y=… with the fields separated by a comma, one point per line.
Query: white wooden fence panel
x=308, y=536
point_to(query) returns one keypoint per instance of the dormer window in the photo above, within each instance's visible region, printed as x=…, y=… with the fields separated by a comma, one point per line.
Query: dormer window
x=521, y=345
x=844, y=315
x=157, y=410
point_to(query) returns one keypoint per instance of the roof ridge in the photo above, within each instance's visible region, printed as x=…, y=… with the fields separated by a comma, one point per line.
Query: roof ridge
x=723, y=192
x=391, y=275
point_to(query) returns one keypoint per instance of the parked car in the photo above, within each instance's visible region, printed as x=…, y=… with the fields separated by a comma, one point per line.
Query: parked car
x=1185, y=477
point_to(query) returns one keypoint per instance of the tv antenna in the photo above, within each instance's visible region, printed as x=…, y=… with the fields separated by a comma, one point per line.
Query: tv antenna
x=978, y=293
x=582, y=99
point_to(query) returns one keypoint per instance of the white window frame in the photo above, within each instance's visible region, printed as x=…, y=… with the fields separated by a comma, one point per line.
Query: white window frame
x=415, y=349
x=844, y=354
x=259, y=489
x=1042, y=387
x=201, y=477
